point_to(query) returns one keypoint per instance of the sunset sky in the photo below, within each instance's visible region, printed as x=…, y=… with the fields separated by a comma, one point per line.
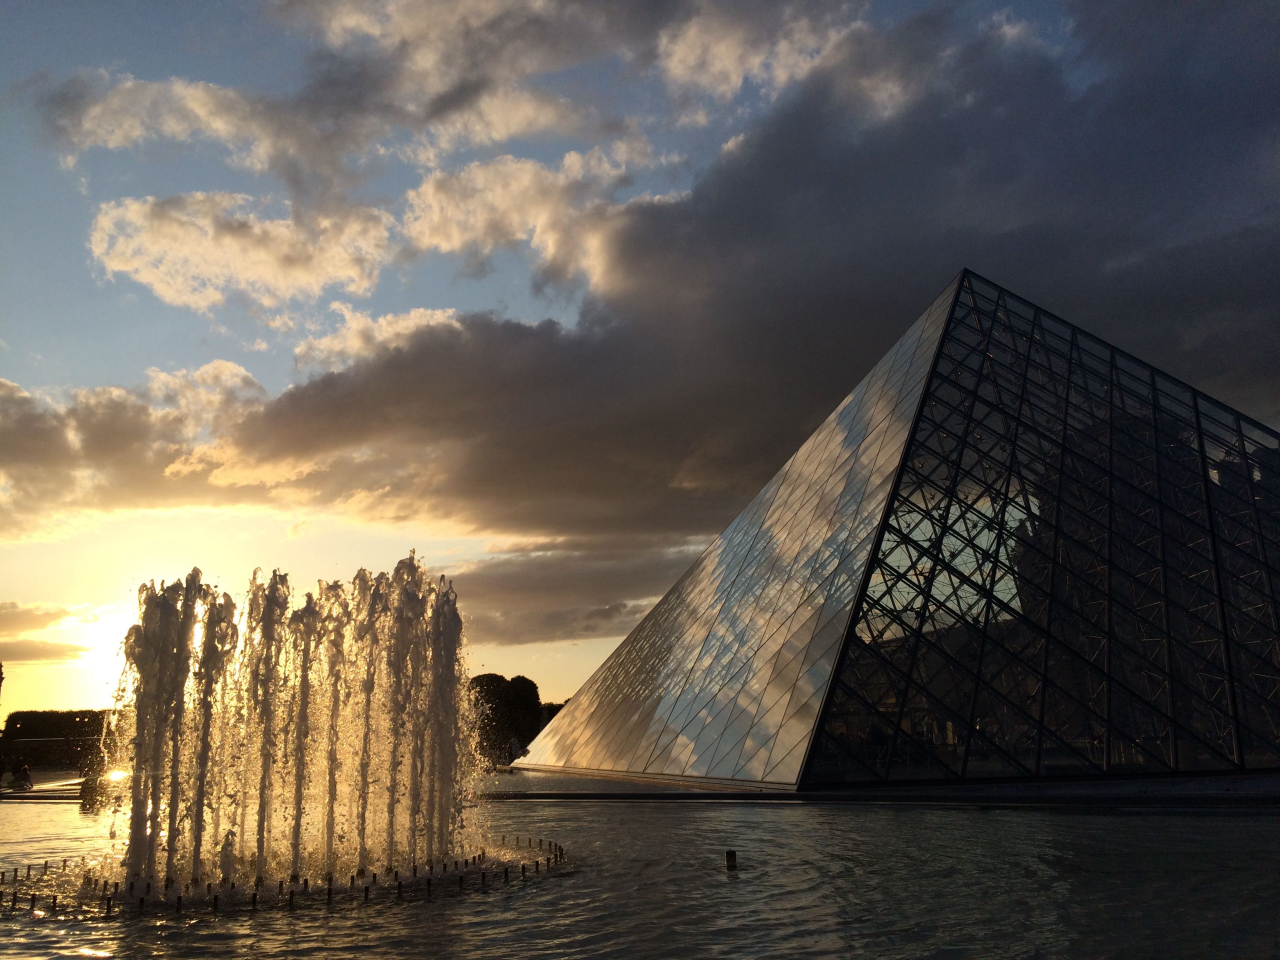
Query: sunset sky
x=547, y=289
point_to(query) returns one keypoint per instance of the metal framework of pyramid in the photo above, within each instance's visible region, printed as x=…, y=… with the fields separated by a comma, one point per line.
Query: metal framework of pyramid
x=1013, y=552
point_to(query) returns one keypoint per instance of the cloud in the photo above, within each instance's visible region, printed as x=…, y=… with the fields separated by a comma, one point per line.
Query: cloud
x=1125, y=180
x=455, y=74
x=304, y=140
x=301, y=138
x=206, y=401
x=18, y=651
x=95, y=109
x=710, y=45
x=566, y=590
x=720, y=325
x=414, y=81
x=194, y=250
x=362, y=336
x=112, y=448
x=502, y=202
x=19, y=618
x=721, y=46
x=505, y=114
x=911, y=151
x=504, y=427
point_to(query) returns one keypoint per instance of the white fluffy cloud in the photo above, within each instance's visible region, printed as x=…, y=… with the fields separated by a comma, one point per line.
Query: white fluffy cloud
x=209, y=399
x=417, y=80
x=361, y=336
x=454, y=73
x=561, y=212
x=443, y=42
x=195, y=249
x=121, y=111
x=506, y=114
x=710, y=45
x=717, y=49
x=262, y=134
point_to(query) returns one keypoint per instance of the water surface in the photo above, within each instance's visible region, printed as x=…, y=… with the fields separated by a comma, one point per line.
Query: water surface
x=647, y=879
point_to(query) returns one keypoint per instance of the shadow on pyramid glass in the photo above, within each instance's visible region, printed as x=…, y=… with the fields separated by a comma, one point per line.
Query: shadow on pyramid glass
x=1014, y=552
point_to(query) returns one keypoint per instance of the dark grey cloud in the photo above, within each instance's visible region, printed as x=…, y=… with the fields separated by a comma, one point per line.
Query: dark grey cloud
x=20, y=618
x=384, y=73
x=1141, y=204
x=1127, y=180
x=20, y=651
x=1129, y=186
x=519, y=428
x=111, y=448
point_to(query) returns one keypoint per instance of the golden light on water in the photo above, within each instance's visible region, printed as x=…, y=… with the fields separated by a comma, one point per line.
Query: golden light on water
x=115, y=776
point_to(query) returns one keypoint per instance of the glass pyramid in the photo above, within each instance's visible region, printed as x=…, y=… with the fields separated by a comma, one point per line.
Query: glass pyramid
x=1012, y=552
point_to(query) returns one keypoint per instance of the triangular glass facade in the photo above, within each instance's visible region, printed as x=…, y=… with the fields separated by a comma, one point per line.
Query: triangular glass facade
x=1020, y=552
x=726, y=675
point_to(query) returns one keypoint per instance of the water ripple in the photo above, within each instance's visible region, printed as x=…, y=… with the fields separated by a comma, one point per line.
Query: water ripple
x=648, y=880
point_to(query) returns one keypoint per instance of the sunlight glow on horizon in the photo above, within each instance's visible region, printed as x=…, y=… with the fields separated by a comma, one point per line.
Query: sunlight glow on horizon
x=101, y=564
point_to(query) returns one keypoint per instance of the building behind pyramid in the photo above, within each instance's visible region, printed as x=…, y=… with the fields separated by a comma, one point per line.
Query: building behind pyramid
x=1014, y=552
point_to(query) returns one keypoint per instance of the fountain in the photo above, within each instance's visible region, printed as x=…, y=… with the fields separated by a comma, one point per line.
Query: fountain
x=261, y=753
x=336, y=733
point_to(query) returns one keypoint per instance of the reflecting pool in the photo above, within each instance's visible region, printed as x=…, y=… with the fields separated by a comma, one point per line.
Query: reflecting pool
x=648, y=879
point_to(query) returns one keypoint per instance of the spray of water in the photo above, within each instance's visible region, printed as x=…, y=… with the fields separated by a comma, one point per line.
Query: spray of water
x=286, y=722
x=220, y=635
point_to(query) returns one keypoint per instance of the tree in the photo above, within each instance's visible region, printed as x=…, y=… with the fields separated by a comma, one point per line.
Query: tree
x=526, y=709
x=493, y=718
x=507, y=710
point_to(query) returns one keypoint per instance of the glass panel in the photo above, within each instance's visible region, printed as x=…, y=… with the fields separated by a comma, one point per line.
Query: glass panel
x=1012, y=551
x=702, y=684
x=1078, y=574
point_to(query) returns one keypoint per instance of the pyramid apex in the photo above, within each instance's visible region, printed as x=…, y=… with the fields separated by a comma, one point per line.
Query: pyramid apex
x=1012, y=553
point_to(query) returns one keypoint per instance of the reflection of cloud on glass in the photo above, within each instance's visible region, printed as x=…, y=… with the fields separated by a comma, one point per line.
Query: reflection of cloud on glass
x=725, y=676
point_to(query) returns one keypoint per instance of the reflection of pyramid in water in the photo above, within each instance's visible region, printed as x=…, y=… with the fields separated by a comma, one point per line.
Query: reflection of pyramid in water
x=1018, y=551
